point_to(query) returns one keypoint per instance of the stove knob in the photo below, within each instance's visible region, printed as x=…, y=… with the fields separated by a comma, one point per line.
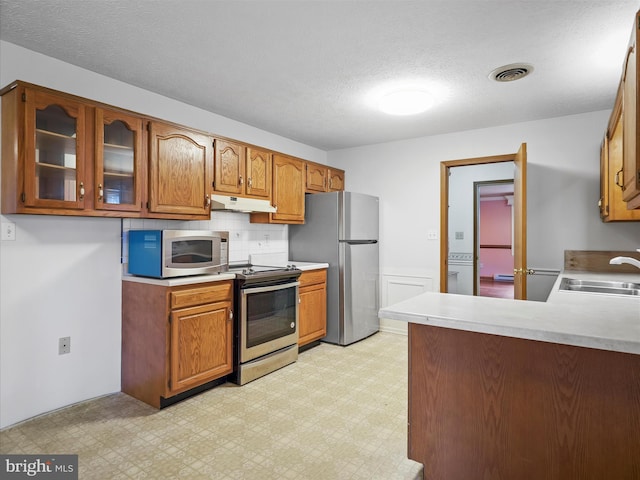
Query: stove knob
x=293, y=324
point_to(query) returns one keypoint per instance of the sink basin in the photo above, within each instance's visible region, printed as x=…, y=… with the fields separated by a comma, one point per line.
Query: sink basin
x=600, y=286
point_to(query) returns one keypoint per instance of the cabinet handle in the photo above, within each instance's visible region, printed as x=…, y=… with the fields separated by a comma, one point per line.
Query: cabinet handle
x=100, y=192
x=230, y=314
x=249, y=182
x=621, y=185
x=626, y=62
x=241, y=180
x=207, y=200
x=81, y=190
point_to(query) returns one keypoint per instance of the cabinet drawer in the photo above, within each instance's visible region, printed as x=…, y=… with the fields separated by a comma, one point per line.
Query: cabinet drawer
x=311, y=277
x=210, y=293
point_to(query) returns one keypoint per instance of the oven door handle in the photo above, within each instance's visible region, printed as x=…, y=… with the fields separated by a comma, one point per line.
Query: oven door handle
x=268, y=288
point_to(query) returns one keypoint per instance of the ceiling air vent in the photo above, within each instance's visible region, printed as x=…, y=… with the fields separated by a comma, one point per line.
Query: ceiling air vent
x=509, y=73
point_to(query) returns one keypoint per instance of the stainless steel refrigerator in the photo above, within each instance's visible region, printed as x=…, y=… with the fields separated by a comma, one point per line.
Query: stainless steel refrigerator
x=341, y=229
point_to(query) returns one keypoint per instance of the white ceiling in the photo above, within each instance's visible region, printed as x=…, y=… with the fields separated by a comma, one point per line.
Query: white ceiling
x=305, y=69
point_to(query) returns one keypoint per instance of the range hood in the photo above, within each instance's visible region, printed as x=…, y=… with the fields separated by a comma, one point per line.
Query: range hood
x=240, y=204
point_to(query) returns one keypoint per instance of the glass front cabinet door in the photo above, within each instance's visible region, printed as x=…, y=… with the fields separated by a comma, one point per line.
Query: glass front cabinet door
x=55, y=151
x=118, y=161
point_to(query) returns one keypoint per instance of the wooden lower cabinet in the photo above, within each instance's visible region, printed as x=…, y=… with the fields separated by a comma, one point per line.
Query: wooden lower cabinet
x=488, y=406
x=175, y=339
x=312, y=323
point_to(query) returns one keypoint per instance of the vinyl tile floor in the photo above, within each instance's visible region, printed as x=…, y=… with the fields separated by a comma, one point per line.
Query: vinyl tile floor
x=337, y=413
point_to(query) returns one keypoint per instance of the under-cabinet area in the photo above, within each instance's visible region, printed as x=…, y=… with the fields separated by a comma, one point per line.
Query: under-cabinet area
x=67, y=155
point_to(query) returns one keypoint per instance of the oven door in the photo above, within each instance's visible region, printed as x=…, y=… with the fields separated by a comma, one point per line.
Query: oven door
x=268, y=319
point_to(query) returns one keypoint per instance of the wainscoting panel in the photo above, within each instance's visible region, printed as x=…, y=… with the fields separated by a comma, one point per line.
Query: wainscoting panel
x=396, y=288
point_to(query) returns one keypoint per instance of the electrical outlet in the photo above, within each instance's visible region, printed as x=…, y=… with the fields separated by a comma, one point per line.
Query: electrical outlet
x=432, y=235
x=64, y=345
x=8, y=231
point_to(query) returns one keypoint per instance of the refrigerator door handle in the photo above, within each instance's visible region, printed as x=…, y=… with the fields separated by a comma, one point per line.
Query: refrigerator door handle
x=359, y=242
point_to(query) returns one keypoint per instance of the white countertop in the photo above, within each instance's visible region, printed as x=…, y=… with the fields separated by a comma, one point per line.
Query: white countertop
x=571, y=318
x=216, y=277
x=177, y=281
x=309, y=265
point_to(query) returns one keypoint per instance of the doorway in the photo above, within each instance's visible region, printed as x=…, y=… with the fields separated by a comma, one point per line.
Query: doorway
x=519, y=161
x=493, y=238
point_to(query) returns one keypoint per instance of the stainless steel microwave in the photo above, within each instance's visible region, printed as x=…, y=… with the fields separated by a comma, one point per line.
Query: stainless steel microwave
x=177, y=253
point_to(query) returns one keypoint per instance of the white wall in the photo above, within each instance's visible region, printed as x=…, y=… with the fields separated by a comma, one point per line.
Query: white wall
x=61, y=276
x=563, y=191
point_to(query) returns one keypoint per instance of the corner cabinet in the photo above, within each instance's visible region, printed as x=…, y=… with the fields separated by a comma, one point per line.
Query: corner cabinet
x=288, y=190
x=175, y=340
x=312, y=325
x=242, y=170
x=180, y=171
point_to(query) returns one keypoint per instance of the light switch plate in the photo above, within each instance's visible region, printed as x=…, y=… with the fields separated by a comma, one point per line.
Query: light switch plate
x=8, y=231
x=459, y=235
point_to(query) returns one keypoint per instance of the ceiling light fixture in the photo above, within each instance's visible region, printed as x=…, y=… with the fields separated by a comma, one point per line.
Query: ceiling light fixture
x=405, y=102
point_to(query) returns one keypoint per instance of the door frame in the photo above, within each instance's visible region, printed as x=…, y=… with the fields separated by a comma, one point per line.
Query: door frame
x=520, y=220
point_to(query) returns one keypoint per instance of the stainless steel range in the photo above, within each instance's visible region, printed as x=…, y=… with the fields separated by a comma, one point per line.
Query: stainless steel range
x=266, y=327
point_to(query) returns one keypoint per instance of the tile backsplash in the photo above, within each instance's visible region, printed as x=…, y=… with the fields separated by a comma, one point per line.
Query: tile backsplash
x=244, y=238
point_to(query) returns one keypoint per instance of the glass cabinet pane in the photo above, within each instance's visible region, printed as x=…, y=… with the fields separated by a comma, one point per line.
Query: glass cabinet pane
x=56, y=173
x=119, y=164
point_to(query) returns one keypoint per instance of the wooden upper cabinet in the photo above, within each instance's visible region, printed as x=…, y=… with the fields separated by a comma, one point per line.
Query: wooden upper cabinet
x=229, y=176
x=336, y=180
x=612, y=206
x=287, y=192
x=242, y=170
x=258, y=173
x=288, y=189
x=321, y=178
x=54, y=152
x=119, y=167
x=180, y=171
x=631, y=163
x=316, y=177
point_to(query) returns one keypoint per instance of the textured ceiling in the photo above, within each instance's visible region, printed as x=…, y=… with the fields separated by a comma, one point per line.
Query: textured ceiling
x=306, y=69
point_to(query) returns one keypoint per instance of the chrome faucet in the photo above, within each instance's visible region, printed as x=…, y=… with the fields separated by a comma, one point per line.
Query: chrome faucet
x=629, y=260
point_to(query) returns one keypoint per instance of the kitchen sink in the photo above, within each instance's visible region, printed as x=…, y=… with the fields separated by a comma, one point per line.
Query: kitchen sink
x=600, y=286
